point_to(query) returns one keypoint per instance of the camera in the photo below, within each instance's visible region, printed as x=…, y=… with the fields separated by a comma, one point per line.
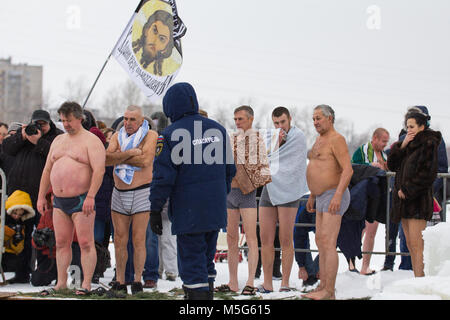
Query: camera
x=18, y=236
x=44, y=238
x=32, y=128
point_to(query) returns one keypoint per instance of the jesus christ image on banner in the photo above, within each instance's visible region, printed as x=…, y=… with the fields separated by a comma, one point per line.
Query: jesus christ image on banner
x=153, y=43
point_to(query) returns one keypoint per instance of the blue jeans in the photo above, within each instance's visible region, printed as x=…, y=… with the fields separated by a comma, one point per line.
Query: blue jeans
x=152, y=259
x=301, y=241
x=394, y=230
x=405, y=263
x=99, y=231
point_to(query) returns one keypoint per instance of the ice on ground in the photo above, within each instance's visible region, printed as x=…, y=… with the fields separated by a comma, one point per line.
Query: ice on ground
x=436, y=283
x=384, y=285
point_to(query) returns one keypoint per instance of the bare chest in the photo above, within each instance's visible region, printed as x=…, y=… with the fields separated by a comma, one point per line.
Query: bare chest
x=321, y=150
x=72, y=149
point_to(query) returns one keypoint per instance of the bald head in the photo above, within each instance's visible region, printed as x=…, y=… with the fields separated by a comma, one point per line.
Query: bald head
x=133, y=119
x=380, y=139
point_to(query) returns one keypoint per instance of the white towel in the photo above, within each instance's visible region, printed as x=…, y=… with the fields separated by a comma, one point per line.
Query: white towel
x=124, y=171
x=288, y=166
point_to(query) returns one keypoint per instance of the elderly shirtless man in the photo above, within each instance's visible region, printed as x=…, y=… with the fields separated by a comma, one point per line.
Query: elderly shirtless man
x=74, y=168
x=131, y=151
x=328, y=175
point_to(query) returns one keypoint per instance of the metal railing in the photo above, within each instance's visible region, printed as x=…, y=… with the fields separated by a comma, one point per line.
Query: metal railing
x=2, y=221
x=444, y=203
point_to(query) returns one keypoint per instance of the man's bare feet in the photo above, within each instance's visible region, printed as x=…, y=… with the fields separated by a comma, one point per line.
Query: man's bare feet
x=367, y=272
x=320, y=295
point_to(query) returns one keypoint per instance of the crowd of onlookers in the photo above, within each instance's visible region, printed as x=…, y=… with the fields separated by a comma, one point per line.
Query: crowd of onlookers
x=275, y=199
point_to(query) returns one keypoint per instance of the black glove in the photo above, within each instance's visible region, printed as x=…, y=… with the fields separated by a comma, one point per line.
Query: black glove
x=156, y=222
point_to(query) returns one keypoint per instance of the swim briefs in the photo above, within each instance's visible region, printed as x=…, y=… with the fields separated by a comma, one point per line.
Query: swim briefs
x=264, y=201
x=69, y=205
x=237, y=200
x=323, y=201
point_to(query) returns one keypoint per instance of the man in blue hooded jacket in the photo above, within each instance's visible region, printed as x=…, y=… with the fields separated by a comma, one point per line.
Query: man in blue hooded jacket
x=193, y=168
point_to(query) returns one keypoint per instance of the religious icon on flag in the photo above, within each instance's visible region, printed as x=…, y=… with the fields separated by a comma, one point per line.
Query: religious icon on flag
x=150, y=47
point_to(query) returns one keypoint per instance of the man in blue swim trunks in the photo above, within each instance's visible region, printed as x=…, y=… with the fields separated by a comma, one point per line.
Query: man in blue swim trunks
x=74, y=168
x=328, y=175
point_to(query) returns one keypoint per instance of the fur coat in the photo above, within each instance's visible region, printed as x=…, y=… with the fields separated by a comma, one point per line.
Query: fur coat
x=416, y=168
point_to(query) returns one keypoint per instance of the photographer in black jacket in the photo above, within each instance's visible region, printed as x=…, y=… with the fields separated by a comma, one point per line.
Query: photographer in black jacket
x=30, y=147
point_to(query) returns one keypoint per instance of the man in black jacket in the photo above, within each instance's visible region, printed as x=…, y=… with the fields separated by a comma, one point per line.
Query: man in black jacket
x=30, y=148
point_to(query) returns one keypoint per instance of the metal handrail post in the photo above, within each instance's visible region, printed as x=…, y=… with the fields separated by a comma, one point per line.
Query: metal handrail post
x=2, y=219
x=388, y=218
x=444, y=199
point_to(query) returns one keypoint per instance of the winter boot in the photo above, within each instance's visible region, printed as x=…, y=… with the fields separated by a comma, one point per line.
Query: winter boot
x=198, y=295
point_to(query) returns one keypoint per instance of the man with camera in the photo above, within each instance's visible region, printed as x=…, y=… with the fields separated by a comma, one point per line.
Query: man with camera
x=29, y=147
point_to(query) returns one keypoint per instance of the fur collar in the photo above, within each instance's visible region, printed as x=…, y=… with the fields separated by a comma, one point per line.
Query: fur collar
x=425, y=137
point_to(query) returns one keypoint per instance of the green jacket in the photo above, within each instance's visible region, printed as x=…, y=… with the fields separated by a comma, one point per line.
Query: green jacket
x=366, y=155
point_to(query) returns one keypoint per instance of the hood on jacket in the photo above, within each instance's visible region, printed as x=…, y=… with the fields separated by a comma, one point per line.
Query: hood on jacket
x=20, y=200
x=160, y=120
x=180, y=100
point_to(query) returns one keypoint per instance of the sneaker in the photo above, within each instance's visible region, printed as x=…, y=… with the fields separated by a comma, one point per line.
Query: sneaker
x=312, y=280
x=136, y=287
x=117, y=291
x=150, y=284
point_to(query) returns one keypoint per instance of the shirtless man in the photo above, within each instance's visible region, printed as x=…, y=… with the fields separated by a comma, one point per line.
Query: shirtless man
x=130, y=199
x=74, y=168
x=328, y=174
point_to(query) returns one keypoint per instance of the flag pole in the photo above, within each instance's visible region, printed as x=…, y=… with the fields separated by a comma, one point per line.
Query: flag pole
x=96, y=80
x=109, y=57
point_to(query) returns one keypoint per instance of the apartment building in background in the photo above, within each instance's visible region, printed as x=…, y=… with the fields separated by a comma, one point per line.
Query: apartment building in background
x=20, y=91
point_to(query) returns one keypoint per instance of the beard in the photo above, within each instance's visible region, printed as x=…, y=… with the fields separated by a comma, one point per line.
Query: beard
x=147, y=58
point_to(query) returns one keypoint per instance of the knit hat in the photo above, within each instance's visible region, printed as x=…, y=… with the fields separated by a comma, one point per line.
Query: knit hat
x=20, y=200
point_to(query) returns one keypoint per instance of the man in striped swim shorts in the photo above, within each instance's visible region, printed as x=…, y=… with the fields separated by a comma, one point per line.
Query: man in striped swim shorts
x=131, y=151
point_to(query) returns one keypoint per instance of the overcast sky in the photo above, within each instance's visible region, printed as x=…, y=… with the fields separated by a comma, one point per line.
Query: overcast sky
x=369, y=60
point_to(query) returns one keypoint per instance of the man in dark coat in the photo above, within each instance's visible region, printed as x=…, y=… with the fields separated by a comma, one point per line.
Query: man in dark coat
x=29, y=149
x=194, y=171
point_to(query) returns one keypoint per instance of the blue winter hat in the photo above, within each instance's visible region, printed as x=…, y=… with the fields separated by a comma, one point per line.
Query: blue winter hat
x=422, y=110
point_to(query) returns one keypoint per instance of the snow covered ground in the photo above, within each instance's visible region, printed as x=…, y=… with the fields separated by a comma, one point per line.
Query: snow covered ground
x=386, y=285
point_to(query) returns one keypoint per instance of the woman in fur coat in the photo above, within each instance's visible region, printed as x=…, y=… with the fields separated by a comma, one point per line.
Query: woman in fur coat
x=415, y=161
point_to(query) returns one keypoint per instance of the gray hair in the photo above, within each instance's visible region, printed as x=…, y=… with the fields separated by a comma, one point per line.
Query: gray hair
x=247, y=109
x=134, y=108
x=327, y=111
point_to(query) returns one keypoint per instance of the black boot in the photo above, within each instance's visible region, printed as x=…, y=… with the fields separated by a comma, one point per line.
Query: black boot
x=211, y=290
x=198, y=295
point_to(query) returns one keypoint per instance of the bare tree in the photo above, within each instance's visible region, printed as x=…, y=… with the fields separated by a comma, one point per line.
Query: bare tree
x=75, y=90
x=121, y=96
